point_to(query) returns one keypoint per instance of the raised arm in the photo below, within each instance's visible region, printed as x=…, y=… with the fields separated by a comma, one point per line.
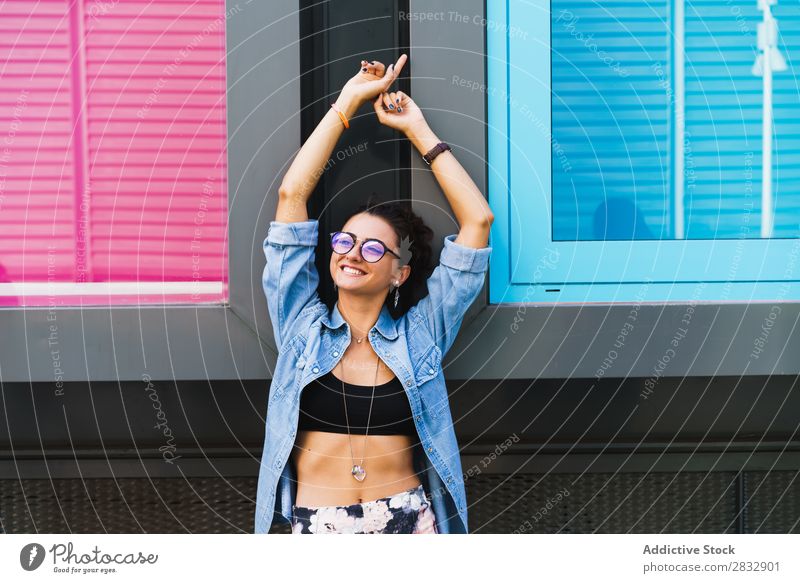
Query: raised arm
x=309, y=164
x=468, y=203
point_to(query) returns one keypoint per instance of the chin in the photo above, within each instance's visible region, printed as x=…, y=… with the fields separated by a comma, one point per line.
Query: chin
x=361, y=288
x=352, y=286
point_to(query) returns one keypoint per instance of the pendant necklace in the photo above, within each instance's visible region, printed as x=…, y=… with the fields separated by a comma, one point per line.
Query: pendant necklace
x=358, y=471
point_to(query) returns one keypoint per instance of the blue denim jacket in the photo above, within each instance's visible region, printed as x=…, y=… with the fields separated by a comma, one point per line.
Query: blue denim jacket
x=311, y=340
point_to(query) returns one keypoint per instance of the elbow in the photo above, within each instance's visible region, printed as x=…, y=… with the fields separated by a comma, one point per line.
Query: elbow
x=482, y=223
x=285, y=191
x=486, y=220
x=290, y=189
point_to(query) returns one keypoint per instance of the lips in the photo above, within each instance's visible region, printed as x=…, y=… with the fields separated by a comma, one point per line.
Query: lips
x=352, y=271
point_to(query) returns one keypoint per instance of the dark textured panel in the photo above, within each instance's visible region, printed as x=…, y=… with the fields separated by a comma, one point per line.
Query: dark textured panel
x=773, y=502
x=602, y=503
x=588, y=503
x=195, y=505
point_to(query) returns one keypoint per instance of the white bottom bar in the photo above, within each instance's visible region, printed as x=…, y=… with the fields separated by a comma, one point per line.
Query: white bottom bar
x=616, y=558
x=107, y=288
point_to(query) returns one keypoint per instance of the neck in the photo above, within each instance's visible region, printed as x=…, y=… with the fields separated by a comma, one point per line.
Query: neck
x=361, y=314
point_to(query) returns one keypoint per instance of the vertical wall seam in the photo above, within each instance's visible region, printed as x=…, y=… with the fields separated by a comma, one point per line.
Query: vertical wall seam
x=80, y=142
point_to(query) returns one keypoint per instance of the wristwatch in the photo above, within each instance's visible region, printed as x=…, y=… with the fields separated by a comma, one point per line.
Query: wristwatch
x=435, y=151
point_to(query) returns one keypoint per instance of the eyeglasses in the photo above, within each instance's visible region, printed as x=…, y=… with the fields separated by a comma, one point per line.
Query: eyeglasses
x=372, y=250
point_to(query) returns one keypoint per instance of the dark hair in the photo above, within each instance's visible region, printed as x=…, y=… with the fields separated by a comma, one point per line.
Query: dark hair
x=410, y=227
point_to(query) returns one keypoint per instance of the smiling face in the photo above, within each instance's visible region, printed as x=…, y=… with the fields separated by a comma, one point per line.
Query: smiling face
x=376, y=278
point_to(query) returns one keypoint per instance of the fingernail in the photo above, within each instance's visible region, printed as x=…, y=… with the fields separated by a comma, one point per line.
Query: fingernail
x=364, y=70
x=391, y=106
x=398, y=100
x=399, y=109
x=372, y=62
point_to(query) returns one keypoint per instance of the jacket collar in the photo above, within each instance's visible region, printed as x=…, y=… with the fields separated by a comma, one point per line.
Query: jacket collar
x=385, y=324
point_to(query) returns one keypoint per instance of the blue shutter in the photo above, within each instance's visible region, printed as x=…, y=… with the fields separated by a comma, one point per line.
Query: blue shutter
x=610, y=119
x=723, y=122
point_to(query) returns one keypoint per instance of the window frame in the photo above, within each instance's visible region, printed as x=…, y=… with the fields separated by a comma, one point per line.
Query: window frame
x=609, y=270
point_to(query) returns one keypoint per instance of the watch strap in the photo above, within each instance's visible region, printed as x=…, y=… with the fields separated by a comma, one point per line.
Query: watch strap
x=435, y=151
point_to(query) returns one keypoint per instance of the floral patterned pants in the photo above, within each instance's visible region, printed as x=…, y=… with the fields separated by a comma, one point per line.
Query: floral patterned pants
x=407, y=512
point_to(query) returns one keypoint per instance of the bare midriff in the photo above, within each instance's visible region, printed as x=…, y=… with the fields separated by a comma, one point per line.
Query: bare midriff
x=323, y=462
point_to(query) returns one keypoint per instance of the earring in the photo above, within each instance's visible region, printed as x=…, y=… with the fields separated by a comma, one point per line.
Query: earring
x=396, y=294
x=335, y=286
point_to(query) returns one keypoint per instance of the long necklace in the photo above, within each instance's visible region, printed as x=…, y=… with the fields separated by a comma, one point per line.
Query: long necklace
x=358, y=471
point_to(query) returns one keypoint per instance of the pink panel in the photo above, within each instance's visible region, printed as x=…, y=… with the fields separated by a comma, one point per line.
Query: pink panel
x=157, y=141
x=113, y=148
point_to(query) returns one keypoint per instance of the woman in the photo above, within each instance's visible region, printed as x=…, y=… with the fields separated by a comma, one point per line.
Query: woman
x=359, y=436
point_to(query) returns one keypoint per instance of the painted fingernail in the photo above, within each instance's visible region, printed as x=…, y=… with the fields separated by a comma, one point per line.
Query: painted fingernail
x=372, y=62
x=391, y=106
x=398, y=100
x=399, y=109
x=364, y=70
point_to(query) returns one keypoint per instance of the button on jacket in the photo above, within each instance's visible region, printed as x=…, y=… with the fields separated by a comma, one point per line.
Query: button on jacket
x=312, y=339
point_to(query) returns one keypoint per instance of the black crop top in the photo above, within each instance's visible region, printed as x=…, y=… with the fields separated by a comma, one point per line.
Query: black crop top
x=322, y=408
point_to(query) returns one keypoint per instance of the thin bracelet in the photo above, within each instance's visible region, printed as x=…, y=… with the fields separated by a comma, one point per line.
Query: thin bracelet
x=341, y=115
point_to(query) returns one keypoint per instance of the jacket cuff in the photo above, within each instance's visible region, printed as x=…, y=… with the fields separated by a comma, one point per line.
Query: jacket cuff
x=298, y=233
x=463, y=258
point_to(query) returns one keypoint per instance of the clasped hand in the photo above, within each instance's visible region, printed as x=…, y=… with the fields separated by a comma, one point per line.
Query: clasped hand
x=394, y=109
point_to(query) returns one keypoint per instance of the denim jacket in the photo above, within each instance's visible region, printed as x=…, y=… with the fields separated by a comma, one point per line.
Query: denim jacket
x=312, y=339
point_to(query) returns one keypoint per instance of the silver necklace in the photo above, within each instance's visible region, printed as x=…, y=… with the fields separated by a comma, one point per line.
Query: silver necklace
x=358, y=471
